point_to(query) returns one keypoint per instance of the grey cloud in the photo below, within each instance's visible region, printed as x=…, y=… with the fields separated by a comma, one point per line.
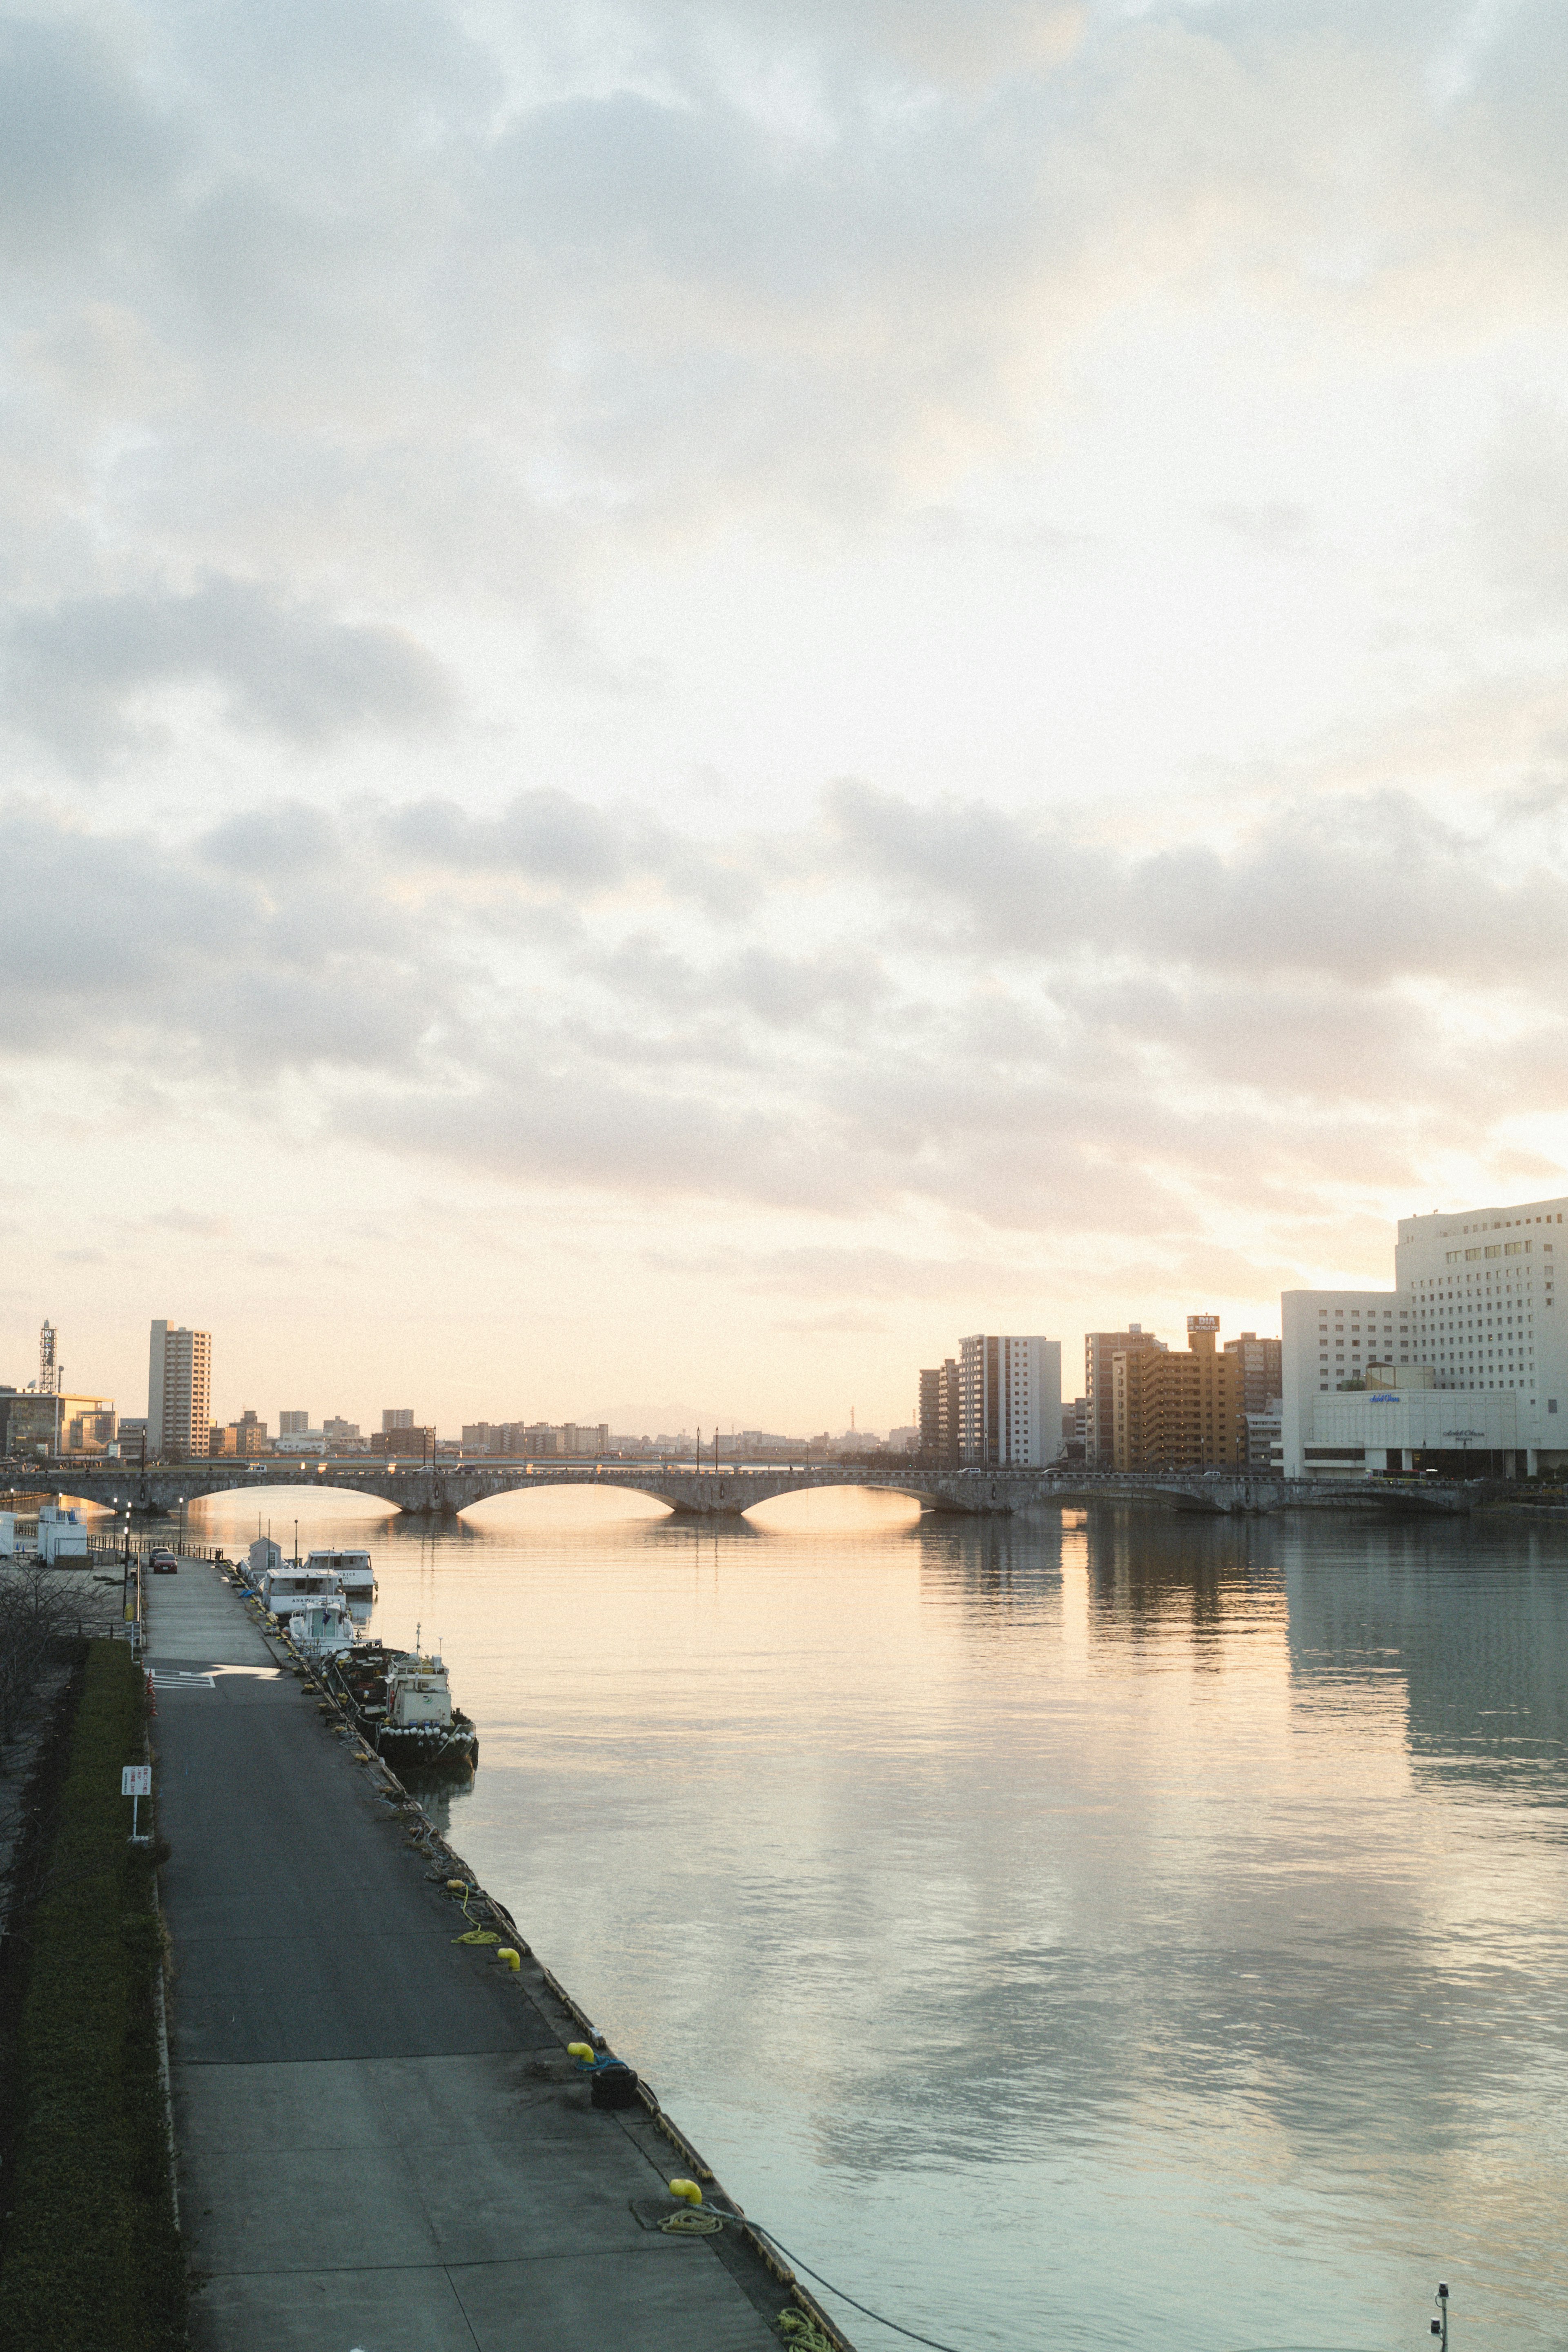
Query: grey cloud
x=456, y=311
x=82, y=155
x=995, y=1020
x=1362, y=888
x=72, y=673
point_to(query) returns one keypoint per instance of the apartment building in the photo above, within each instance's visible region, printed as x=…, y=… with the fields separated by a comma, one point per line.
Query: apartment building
x=1262, y=1365
x=1101, y=1350
x=179, y=1393
x=1462, y=1365
x=1175, y=1410
x=404, y=1442
x=938, y=1416
x=1009, y=1401
x=243, y=1440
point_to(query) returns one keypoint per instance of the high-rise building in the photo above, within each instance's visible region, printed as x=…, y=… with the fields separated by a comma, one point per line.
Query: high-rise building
x=290, y=1424
x=1459, y=1367
x=1099, y=1351
x=179, y=1394
x=1262, y=1369
x=396, y=1416
x=1009, y=1401
x=939, y=1413
x=1178, y=1411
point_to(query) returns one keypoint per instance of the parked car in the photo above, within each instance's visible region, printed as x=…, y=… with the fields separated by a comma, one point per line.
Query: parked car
x=164, y=1563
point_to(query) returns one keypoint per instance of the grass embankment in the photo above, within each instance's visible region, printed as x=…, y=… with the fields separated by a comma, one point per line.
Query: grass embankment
x=91, y=2259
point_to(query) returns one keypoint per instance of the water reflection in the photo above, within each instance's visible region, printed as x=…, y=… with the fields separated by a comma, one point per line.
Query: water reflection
x=1137, y=1926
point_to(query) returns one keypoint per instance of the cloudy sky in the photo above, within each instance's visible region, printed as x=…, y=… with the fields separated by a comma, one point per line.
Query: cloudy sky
x=694, y=694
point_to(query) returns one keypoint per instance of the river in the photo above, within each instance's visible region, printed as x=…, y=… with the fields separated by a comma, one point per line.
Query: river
x=1075, y=1933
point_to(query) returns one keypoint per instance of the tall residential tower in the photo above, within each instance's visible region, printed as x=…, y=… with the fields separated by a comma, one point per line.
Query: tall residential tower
x=179, y=1394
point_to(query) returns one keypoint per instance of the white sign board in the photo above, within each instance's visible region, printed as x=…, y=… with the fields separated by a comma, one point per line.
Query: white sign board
x=136, y=1781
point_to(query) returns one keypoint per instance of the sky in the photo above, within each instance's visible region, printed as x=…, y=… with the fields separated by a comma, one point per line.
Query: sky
x=692, y=697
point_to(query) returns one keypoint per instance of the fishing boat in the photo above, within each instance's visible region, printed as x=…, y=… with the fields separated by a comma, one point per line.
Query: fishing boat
x=321, y=1626
x=400, y=1702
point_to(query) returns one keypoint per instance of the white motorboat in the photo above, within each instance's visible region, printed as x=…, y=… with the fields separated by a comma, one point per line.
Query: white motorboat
x=355, y=1576
x=322, y=1627
x=286, y=1587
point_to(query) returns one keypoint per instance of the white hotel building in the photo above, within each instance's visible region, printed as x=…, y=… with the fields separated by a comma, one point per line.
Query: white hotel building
x=1464, y=1360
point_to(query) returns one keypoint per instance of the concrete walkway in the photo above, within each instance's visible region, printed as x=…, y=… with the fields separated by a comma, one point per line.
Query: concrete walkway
x=384, y=2147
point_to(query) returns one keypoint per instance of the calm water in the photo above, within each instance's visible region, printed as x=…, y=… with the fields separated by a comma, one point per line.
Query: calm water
x=1145, y=1931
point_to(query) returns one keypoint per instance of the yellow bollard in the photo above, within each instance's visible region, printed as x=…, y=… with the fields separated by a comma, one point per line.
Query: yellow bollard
x=508, y=1957
x=687, y=2189
x=582, y=2050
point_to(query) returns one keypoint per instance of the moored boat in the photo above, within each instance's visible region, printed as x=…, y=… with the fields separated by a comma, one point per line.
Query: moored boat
x=288, y=1587
x=354, y=1575
x=400, y=1702
x=321, y=1626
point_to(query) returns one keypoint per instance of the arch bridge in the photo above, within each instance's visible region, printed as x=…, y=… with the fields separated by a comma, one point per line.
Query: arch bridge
x=449, y=1488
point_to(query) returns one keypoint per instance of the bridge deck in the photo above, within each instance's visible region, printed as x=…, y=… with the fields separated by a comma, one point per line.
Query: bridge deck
x=381, y=2140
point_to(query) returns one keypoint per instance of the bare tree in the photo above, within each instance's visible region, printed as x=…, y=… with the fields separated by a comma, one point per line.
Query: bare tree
x=38, y=1609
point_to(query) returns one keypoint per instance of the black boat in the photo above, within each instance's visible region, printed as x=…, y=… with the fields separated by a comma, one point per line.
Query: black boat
x=400, y=1702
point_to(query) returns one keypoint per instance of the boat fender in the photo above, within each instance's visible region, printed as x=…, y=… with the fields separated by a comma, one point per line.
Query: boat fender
x=613, y=2083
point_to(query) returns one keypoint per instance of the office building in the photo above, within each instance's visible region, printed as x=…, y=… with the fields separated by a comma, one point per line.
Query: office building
x=1262, y=1372
x=1174, y=1410
x=55, y=1424
x=396, y=1416
x=1009, y=1401
x=1461, y=1367
x=179, y=1394
x=342, y=1436
x=1099, y=1351
x=292, y=1424
x=1075, y=1426
x=939, y=1413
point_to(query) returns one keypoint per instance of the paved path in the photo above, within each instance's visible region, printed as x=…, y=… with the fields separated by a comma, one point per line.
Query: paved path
x=384, y=2147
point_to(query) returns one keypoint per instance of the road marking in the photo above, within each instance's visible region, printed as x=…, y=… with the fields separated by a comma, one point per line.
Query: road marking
x=165, y=1681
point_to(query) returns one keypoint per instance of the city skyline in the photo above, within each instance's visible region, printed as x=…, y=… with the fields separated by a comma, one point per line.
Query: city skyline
x=959, y=729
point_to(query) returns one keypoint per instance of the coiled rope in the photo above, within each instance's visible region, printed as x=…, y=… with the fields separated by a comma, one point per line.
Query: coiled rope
x=802, y=2330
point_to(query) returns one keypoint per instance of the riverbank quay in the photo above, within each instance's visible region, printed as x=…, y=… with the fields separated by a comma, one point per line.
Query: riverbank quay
x=90, y=2251
x=383, y=2139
